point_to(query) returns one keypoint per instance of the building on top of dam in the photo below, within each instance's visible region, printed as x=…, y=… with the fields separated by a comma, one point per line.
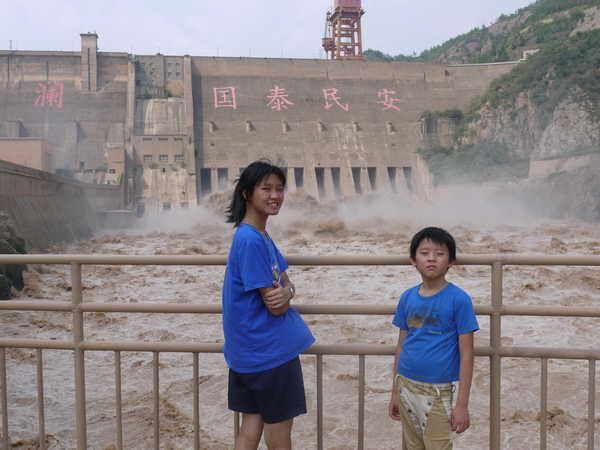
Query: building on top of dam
x=173, y=129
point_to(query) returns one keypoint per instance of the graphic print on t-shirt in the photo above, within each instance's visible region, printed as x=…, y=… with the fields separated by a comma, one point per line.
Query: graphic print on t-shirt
x=422, y=316
x=275, y=271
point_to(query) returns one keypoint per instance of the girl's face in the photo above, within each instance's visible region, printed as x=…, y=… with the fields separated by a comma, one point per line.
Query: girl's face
x=267, y=197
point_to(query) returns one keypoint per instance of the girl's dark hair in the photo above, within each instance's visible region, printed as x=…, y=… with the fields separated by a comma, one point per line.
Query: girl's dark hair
x=437, y=235
x=247, y=182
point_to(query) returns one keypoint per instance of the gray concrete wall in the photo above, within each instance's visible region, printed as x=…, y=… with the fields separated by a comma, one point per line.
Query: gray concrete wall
x=352, y=126
x=48, y=209
x=76, y=122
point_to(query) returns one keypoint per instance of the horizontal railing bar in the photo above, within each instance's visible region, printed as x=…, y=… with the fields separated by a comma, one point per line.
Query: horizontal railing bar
x=37, y=305
x=350, y=349
x=52, y=344
x=315, y=349
x=117, y=260
x=302, y=260
x=342, y=309
x=134, y=346
x=175, y=308
x=545, y=310
x=544, y=352
x=361, y=310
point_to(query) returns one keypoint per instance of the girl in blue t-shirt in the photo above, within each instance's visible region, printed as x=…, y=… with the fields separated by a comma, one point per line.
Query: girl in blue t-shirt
x=263, y=334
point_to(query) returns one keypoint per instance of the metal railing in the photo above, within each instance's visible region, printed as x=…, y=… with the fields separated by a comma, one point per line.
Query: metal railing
x=495, y=351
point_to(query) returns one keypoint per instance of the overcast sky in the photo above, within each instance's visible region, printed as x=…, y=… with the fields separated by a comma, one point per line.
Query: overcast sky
x=250, y=28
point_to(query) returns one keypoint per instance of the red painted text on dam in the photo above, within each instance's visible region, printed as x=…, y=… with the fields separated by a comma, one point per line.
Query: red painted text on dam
x=225, y=97
x=331, y=95
x=50, y=94
x=278, y=99
x=388, y=101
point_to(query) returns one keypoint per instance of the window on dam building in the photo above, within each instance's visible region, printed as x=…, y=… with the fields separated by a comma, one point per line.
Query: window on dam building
x=163, y=158
x=299, y=176
x=372, y=172
x=320, y=174
x=392, y=175
x=325, y=183
x=205, y=182
x=147, y=158
x=222, y=179
x=356, y=178
x=335, y=175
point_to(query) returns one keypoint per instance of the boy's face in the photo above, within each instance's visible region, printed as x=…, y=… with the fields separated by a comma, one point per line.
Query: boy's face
x=432, y=259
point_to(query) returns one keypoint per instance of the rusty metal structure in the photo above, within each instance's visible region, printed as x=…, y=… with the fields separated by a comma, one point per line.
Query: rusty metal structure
x=343, y=38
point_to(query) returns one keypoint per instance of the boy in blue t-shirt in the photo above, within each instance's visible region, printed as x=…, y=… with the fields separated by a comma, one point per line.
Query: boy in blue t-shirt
x=435, y=348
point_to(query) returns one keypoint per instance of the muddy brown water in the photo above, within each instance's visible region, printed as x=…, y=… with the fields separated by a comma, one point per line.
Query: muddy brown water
x=379, y=227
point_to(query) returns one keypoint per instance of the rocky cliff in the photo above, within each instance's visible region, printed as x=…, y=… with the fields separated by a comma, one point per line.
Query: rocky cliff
x=562, y=134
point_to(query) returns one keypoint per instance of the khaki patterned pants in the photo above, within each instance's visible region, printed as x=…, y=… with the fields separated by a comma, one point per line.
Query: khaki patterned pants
x=425, y=410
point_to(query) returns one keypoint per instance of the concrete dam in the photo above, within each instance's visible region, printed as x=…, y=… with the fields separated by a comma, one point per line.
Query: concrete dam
x=165, y=131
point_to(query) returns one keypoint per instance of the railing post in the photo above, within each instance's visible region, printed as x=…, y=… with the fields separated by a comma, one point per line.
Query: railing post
x=156, y=384
x=591, y=404
x=118, y=400
x=40, y=378
x=544, y=404
x=319, y=402
x=196, y=401
x=361, y=402
x=5, y=439
x=79, y=356
x=495, y=363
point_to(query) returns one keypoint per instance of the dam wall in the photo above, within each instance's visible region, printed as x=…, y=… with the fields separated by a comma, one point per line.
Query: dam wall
x=166, y=131
x=341, y=128
x=41, y=92
x=48, y=209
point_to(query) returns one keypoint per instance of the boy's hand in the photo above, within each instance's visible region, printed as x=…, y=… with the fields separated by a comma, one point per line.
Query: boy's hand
x=460, y=419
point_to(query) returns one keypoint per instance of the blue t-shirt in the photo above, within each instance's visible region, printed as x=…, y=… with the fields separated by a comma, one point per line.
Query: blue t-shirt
x=430, y=351
x=255, y=339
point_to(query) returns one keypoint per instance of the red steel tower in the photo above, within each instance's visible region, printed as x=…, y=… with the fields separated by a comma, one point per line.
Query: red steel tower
x=342, y=30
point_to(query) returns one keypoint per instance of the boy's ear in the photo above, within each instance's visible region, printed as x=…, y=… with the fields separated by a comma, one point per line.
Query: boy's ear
x=413, y=262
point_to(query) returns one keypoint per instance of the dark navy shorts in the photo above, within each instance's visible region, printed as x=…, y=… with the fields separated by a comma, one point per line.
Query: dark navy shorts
x=276, y=394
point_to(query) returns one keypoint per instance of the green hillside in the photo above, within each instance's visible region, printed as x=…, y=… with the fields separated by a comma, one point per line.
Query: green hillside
x=563, y=64
x=527, y=27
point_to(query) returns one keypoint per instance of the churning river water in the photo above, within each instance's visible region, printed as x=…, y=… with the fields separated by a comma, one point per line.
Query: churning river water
x=378, y=226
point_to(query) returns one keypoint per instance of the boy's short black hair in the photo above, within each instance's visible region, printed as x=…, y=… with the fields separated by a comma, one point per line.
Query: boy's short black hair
x=436, y=235
x=247, y=182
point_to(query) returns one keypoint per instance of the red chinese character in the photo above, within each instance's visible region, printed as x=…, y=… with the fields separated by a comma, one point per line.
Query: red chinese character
x=330, y=94
x=225, y=97
x=388, y=101
x=279, y=99
x=49, y=95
